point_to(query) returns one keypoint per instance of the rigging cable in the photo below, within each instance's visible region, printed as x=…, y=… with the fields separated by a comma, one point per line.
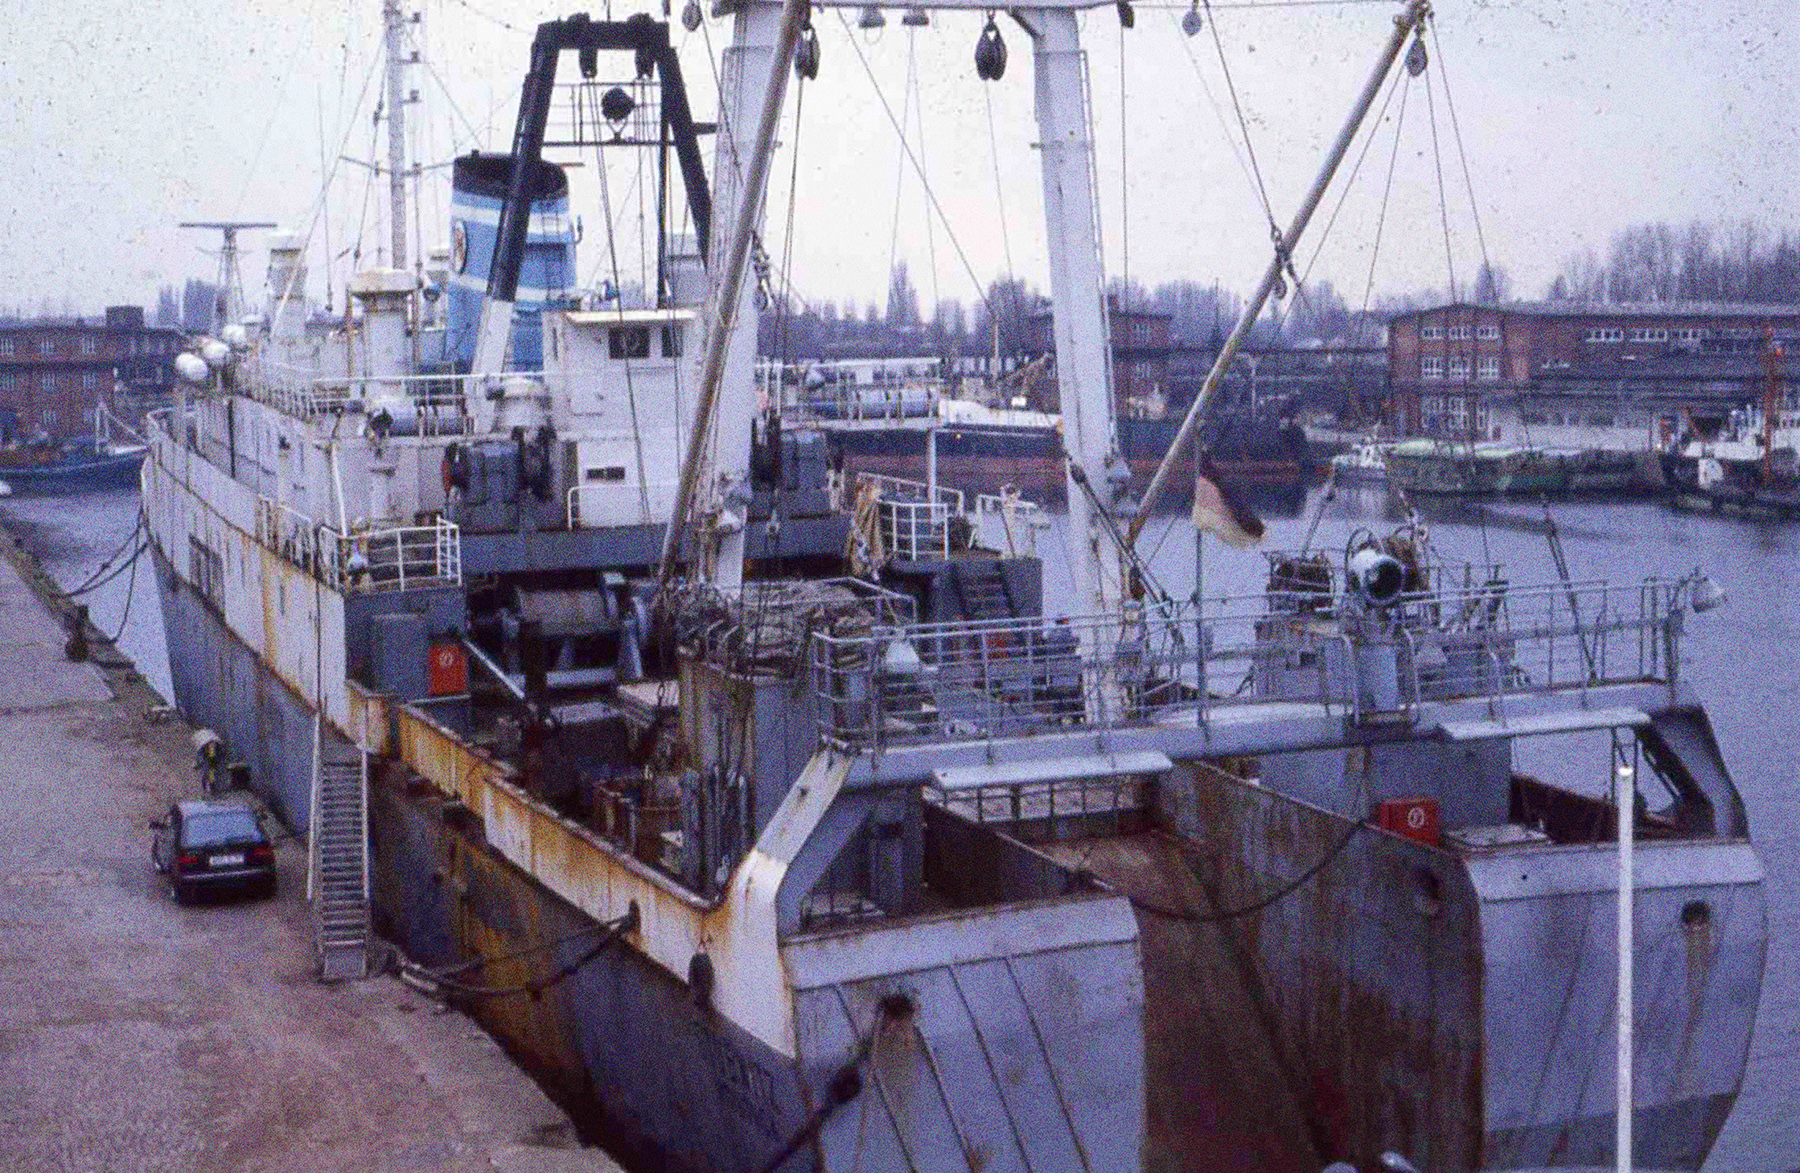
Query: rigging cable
x=930, y=194
x=262, y=140
x=1456, y=131
x=1437, y=162
x=1301, y=280
x=1387, y=190
x=1124, y=183
x=1012, y=285
x=1262, y=191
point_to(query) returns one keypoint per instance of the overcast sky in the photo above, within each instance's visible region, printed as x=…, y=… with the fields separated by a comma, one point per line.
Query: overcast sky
x=1577, y=119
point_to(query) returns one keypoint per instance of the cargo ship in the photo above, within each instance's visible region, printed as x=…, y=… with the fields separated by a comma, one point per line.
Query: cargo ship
x=777, y=821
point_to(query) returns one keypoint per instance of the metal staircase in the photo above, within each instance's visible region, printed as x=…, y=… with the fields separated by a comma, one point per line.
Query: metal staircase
x=982, y=590
x=338, y=866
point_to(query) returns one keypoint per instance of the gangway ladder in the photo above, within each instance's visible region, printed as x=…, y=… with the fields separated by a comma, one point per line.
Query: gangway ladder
x=338, y=873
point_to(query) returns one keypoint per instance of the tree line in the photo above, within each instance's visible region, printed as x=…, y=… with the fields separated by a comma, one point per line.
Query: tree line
x=1742, y=261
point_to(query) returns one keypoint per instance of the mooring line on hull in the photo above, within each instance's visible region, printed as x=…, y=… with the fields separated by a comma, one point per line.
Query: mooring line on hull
x=846, y=1083
x=1168, y=913
x=438, y=983
x=95, y=580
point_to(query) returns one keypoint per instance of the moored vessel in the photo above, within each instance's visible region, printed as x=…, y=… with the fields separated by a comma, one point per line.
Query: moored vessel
x=779, y=828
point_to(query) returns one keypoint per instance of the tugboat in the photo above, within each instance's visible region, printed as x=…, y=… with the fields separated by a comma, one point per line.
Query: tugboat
x=1743, y=464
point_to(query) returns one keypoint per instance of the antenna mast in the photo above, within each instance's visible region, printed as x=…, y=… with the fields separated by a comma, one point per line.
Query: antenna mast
x=393, y=19
x=230, y=304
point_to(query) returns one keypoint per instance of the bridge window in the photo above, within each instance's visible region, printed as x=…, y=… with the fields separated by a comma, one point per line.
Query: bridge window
x=629, y=342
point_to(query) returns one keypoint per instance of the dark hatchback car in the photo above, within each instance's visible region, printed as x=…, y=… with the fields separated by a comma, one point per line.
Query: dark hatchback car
x=213, y=847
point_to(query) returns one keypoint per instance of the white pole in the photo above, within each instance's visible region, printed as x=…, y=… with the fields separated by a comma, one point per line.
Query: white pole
x=1626, y=798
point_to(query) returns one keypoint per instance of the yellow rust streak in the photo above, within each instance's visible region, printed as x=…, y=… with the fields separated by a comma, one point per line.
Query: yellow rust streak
x=562, y=855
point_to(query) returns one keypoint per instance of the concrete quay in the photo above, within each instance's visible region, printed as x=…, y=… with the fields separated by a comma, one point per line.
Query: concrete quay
x=137, y=1036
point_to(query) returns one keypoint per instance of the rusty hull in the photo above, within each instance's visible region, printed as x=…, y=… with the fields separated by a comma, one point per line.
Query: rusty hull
x=1454, y=1007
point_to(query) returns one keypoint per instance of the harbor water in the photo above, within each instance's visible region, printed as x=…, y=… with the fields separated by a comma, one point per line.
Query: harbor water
x=1743, y=658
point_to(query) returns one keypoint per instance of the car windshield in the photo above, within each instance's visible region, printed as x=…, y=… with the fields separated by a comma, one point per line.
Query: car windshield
x=218, y=827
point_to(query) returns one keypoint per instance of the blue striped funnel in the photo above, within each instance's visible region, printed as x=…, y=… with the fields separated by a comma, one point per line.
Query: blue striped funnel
x=547, y=273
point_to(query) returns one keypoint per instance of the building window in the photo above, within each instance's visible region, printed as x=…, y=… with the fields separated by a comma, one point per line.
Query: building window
x=1605, y=334
x=1689, y=334
x=1487, y=368
x=1459, y=366
x=1431, y=333
x=90, y=381
x=629, y=342
x=1431, y=367
x=46, y=346
x=8, y=382
x=6, y=347
x=1646, y=334
x=1488, y=332
x=1457, y=334
x=88, y=345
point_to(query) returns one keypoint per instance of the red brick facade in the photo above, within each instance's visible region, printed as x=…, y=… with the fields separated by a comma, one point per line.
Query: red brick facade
x=1447, y=364
x=52, y=373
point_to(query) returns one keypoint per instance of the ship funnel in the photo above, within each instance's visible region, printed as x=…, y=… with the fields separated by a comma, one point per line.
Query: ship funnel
x=287, y=286
x=546, y=272
x=1377, y=578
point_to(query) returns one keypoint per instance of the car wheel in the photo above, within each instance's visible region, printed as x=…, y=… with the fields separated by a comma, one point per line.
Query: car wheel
x=180, y=892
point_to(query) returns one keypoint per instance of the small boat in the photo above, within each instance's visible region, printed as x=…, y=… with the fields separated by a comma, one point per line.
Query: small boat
x=1440, y=467
x=72, y=468
x=1364, y=464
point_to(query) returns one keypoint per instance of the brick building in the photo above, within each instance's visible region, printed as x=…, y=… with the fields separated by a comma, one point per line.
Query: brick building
x=54, y=370
x=1578, y=374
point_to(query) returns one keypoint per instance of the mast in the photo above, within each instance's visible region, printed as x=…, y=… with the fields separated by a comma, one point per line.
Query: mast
x=1083, y=374
x=230, y=304
x=393, y=19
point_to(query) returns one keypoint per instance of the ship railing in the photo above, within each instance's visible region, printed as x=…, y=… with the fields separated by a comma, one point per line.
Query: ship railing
x=395, y=558
x=615, y=503
x=1157, y=663
x=424, y=405
x=909, y=400
x=374, y=559
x=291, y=534
x=911, y=519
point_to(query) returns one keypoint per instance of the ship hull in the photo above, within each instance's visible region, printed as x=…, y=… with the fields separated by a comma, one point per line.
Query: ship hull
x=622, y=1044
x=1466, y=1019
x=983, y=458
x=88, y=475
x=1736, y=490
x=221, y=684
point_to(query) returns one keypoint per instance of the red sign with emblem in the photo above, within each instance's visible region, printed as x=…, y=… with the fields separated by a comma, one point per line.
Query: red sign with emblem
x=447, y=670
x=1415, y=818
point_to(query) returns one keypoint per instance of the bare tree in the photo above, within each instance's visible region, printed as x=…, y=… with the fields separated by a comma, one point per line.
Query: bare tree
x=1493, y=285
